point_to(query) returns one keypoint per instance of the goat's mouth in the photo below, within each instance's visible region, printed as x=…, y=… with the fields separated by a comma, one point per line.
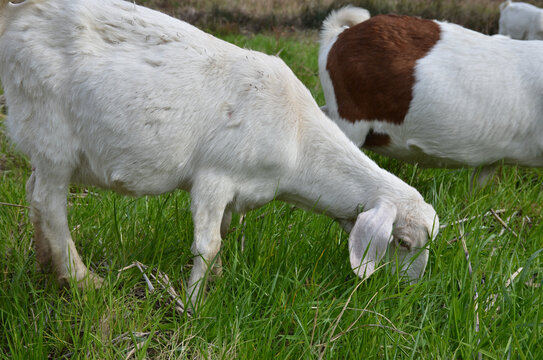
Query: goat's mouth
x=411, y=264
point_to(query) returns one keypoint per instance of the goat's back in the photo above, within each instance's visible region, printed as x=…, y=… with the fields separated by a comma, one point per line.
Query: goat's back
x=467, y=99
x=521, y=21
x=134, y=100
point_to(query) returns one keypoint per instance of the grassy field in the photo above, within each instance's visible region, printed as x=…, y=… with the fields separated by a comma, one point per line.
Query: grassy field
x=287, y=291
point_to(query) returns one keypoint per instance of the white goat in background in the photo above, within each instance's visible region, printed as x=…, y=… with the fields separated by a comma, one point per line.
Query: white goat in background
x=118, y=96
x=521, y=21
x=432, y=92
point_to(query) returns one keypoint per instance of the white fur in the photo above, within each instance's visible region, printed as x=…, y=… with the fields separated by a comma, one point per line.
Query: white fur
x=477, y=100
x=116, y=95
x=340, y=20
x=521, y=21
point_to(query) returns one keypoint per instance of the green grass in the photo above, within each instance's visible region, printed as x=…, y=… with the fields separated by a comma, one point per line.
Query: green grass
x=287, y=291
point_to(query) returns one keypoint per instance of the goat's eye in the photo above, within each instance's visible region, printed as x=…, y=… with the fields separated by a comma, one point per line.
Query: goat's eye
x=404, y=243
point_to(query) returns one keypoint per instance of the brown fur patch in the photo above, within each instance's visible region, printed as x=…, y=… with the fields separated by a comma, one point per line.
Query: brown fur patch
x=374, y=139
x=372, y=66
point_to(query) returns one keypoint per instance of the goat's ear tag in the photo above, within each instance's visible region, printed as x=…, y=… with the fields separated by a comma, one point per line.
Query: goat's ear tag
x=370, y=237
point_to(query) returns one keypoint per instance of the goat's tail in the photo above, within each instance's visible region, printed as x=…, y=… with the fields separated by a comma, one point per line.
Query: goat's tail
x=505, y=4
x=339, y=20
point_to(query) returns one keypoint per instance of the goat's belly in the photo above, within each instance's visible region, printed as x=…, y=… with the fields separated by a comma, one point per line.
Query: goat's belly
x=135, y=176
x=416, y=154
x=431, y=152
x=150, y=185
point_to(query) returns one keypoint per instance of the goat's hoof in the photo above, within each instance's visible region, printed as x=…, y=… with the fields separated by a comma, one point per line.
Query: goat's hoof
x=90, y=281
x=44, y=268
x=216, y=271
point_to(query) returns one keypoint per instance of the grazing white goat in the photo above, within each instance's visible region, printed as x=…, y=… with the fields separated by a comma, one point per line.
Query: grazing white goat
x=521, y=21
x=118, y=96
x=433, y=93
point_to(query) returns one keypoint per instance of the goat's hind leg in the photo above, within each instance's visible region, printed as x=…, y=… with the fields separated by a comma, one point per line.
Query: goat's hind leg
x=47, y=190
x=481, y=176
x=225, y=225
x=43, y=252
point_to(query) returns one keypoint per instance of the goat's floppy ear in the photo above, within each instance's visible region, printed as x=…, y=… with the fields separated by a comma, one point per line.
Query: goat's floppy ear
x=370, y=237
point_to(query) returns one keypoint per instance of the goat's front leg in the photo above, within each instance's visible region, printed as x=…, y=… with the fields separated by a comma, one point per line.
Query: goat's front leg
x=209, y=201
x=46, y=192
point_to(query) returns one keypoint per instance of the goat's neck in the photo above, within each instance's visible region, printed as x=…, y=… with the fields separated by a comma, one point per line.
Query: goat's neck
x=335, y=178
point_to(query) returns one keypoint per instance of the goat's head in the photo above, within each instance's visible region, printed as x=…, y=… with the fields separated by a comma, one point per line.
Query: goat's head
x=402, y=230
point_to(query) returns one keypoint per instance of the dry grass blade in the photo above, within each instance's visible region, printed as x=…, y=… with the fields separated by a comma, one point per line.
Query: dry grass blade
x=513, y=277
x=149, y=285
x=314, y=324
x=387, y=319
x=130, y=335
x=164, y=282
x=323, y=350
x=500, y=220
x=466, y=252
x=491, y=301
x=351, y=327
x=162, y=279
x=335, y=337
x=381, y=326
x=13, y=205
x=532, y=283
x=127, y=267
x=456, y=239
x=124, y=336
x=507, y=222
x=134, y=349
x=461, y=221
x=476, y=296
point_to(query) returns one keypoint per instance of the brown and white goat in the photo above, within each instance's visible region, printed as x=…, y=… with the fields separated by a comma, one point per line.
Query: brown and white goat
x=431, y=92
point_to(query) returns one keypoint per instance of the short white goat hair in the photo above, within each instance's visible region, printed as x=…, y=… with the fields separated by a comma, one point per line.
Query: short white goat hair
x=432, y=92
x=521, y=21
x=118, y=96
